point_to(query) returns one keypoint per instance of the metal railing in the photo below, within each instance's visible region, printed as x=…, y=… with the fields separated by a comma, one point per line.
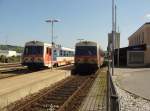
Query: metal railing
x=112, y=96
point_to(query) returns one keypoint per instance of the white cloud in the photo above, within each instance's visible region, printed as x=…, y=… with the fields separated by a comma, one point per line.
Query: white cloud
x=148, y=16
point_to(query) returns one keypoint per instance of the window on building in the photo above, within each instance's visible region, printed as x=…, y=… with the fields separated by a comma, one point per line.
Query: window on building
x=136, y=57
x=139, y=39
x=142, y=37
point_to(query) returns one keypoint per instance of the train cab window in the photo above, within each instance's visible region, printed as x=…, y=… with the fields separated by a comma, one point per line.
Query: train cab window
x=33, y=50
x=86, y=50
x=26, y=50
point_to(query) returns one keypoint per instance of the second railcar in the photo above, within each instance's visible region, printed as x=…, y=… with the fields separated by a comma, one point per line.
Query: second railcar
x=39, y=54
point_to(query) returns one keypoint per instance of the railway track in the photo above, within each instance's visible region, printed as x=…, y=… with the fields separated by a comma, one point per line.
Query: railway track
x=12, y=70
x=63, y=96
x=6, y=65
x=10, y=67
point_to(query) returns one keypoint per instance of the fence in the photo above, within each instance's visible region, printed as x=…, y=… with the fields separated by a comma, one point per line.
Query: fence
x=112, y=96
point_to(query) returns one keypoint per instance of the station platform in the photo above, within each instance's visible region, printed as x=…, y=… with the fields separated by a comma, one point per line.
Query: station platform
x=96, y=98
x=17, y=87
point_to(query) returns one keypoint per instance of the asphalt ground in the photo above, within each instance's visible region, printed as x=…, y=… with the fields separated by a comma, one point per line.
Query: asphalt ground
x=134, y=80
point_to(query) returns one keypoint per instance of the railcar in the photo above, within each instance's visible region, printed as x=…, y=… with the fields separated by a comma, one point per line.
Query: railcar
x=88, y=57
x=39, y=54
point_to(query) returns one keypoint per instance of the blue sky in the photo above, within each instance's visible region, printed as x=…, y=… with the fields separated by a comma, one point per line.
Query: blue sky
x=24, y=20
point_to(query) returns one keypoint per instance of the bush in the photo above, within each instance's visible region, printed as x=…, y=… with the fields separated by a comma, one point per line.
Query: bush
x=12, y=59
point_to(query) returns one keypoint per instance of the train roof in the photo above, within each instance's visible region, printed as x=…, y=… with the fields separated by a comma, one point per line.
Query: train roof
x=86, y=43
x=39, y=43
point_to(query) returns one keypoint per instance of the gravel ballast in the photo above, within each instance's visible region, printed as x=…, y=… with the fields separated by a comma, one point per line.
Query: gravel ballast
x=131, y=102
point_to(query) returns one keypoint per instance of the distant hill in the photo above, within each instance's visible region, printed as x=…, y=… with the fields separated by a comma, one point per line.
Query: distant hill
x=18, y=49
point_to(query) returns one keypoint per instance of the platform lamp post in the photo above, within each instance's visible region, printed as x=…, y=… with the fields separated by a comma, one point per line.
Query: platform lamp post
x=52, y=21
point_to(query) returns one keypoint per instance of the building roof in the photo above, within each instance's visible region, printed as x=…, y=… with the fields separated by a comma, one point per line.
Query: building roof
x=147, y=23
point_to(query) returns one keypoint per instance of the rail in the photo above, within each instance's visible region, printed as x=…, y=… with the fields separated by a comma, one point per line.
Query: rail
x=112, y=96
x=65, y=95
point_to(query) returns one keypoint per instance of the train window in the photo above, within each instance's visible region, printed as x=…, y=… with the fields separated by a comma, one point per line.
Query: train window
x=55, y=52
x=32, y=50
x=72, y=53
x=86, y=50
x=64, y=53
x=61, y=52
x=69, y=53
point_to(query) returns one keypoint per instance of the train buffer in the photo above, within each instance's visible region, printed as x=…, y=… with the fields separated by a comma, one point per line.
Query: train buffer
x=97, y=97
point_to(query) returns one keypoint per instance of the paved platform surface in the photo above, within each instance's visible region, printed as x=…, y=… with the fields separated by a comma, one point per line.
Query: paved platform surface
x=135, y=80
x=14, y=88
x=96, y=98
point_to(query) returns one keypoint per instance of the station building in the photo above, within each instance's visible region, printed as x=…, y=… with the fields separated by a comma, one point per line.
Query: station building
x=138, y=51
x=8, y=53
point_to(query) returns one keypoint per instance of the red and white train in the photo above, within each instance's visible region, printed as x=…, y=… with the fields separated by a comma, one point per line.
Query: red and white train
x=88, y=57
x=39, y=54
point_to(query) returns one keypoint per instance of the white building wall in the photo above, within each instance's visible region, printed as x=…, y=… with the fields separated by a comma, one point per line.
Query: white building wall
x=8, y=53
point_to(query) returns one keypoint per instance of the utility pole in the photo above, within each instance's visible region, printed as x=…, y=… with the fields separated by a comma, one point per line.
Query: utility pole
x=113, y=34
x=52, y=42
x=7, y=51
x=116, y=36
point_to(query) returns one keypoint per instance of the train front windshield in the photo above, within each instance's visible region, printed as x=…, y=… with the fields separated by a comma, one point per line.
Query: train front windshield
x=86, y=51
x=33, y=50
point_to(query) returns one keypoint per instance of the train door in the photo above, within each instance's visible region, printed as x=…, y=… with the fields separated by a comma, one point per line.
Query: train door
x=48, y=57
x=54, y=55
